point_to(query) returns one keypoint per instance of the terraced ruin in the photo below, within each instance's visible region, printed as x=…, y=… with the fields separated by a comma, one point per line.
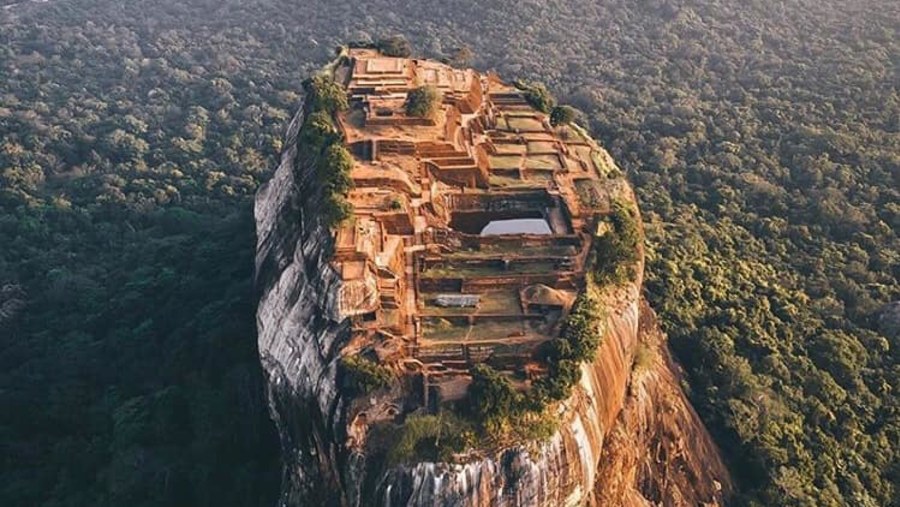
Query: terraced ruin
x=470, y=231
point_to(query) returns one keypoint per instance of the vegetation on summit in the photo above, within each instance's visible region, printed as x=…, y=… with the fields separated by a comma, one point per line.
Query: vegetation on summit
x=365, y=375
x=423, y=102
x=537, y=95
x=616, y=251
x=562, y=115
x=320, y=136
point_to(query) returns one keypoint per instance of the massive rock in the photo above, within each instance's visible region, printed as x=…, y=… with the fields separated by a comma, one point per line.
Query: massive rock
x=628, y=436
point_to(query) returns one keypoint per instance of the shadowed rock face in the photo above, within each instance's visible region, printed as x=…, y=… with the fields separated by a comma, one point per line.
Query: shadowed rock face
x=625, y=439
x=299, y=335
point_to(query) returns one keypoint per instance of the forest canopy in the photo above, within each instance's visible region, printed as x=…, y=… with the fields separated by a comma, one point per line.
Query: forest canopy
x=763, y=140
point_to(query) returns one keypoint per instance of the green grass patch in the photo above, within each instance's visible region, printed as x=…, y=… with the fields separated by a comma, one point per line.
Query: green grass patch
x=509, y=182
x=511, y=148
x=525, y=124
x=506, y=302
x=495, y=330
x=505, y=161
x=544, y=162
x=494, y=268
x=534, y=175
x=541, y=147
x=437, y=328
x=422, y=437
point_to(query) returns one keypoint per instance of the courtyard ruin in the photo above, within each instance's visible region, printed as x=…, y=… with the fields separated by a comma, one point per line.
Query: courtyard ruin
x=471, y=228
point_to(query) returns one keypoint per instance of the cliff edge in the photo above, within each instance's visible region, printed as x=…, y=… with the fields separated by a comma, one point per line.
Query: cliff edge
x=449, y=278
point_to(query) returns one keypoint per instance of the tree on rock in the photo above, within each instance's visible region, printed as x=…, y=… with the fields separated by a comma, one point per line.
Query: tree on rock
x=537, y=95
x=423, y=101
x=562, y=115
x=326, y=94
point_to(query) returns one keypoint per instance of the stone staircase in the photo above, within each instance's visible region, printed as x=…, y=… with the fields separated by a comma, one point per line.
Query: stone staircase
x=387, y=291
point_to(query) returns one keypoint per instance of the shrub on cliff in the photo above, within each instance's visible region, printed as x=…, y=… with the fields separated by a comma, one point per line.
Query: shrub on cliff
x=325, y=94
x=506, y=415
x=557, y=386
x=423, y=101
x=319, y=135
x=581, y=330
x=537, y=95
x=493, y=397
x=334, y=170
x=562, y=115
x=429, y=437
x=616, y=251
x=461, y=57
x=333, y=167
x=336, y=210
x=578, y=342
x=643, y=358
x=318, y=131
x=365, y=376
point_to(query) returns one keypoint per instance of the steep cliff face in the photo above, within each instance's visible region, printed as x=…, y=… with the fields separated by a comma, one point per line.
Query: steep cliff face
x=299, y=336
x=658, y=452
x=627, y=435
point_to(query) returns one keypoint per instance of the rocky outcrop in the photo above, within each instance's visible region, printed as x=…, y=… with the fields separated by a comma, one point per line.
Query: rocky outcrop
x=628, y=437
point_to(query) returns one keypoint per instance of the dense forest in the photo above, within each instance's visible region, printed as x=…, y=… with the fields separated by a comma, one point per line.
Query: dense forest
x=763, y=139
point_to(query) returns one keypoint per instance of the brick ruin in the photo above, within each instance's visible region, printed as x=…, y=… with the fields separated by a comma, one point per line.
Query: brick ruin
x=471, y=229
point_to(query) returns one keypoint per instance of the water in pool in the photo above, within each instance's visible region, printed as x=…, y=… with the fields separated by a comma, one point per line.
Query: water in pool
x=517, y=226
